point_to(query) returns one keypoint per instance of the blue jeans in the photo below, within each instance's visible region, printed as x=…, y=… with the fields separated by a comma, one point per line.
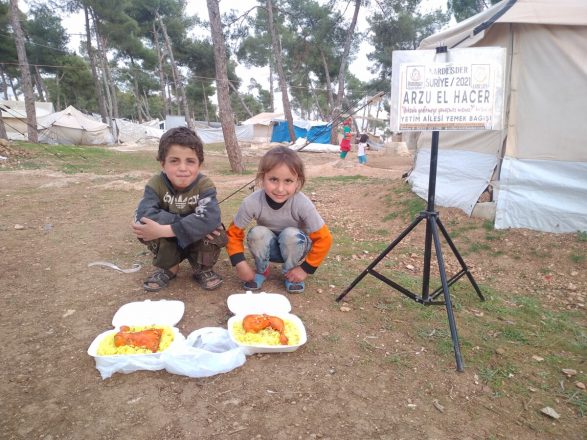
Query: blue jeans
x=288, y=247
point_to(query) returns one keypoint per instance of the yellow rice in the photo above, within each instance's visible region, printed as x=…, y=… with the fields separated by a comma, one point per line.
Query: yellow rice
x=107, y=347
x=266, y=336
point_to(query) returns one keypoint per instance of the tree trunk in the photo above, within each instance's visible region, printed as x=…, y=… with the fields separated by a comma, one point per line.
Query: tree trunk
x=240, y=99
x=97, y=81
x=343, y=60
x=58, y=100
x=109, y=83
x=179, y=84
x=101, y=54
x=161, y=72
x=319, y=110
x=226, y=115
x=137, y=93
x=3, y=134
x=280, y=74
x=328, y=81
x=205, y=99
x=146, y=106
x=271, y=94
x=43, y=95
x=27, y=86
x=4, y=84
x=13, y=88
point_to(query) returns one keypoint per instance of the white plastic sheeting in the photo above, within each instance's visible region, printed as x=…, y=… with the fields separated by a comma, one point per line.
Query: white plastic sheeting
x=215, y=135
x=461, y=178
x=314, y=147
x=543, y=195
x=129, y=132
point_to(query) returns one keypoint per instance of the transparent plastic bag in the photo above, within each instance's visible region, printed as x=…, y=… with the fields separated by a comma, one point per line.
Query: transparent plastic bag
x=206, y=352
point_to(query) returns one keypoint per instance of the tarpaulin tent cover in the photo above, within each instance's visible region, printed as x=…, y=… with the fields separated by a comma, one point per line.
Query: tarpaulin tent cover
x=318, y=132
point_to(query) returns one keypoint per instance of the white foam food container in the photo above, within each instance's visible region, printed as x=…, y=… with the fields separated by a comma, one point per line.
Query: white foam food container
x=143, y=313
x=243, y=304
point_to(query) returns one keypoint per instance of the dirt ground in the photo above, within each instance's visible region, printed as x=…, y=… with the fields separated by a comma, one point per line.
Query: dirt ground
x=363, y=374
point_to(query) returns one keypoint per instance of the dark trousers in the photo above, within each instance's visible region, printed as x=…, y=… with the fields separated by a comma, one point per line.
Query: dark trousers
x=201, y=254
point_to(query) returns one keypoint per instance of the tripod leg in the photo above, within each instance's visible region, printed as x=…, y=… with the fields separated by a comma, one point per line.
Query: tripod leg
x=460, y=259
x=382, y=255
x=451, y=318
x=427, y=258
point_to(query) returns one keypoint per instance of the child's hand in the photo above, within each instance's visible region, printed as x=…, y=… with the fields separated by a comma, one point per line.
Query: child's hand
x=296, y=275
x=244, y=271
x=148, y=230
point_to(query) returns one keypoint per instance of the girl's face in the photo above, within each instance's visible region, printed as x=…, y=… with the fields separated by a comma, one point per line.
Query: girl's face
x=280, y=183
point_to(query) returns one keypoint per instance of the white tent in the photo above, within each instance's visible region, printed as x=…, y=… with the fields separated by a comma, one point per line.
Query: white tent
x=262, y=125
x=14, y=117
x=537, y=165
x=71, y=126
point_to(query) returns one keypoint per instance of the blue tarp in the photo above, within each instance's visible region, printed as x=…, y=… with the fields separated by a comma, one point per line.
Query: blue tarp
x=316, y=133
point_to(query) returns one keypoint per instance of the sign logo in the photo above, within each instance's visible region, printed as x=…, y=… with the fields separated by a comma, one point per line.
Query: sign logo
x=415, y=77
x=480, y=75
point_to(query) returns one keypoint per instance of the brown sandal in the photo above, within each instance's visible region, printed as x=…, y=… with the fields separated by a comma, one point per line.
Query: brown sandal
x=208, y=279
x=160, y=278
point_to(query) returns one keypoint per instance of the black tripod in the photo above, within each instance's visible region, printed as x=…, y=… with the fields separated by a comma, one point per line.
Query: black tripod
x=433, y=224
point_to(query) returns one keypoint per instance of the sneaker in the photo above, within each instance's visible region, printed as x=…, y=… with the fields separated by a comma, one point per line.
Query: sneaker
x=294, y=287
x=257, y=282
x=208, y=279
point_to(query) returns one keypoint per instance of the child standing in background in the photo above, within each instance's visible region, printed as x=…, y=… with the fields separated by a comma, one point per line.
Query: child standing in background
x=289, y=229
x=345, y=143
x=361, y=149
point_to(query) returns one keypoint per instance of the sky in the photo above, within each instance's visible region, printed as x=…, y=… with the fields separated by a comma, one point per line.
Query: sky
x=74, y=25
x=357, y=66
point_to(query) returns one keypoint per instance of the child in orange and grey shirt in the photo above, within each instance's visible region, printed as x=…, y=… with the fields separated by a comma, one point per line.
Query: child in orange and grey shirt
x=289, y=229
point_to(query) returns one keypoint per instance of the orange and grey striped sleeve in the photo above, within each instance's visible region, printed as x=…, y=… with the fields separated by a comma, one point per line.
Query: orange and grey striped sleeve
x=321, y=243
x=236, y=244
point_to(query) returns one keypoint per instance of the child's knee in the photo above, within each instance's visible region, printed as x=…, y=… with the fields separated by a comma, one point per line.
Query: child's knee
x=259, y=237
x=293, y=241
x=259, y=233
x=259, y=241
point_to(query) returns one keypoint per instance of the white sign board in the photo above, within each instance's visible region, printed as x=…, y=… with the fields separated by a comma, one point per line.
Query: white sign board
x=461, y=89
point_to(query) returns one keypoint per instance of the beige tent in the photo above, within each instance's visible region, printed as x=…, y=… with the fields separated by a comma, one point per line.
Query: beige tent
x=71, y=126
x=537, y=165
x=14, y=117
x=262, y=125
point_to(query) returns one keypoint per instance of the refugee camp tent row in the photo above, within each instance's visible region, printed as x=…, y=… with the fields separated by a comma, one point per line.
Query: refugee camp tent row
x=14, y=117
x=264, y=127
x=536, y=165
x=70, y=126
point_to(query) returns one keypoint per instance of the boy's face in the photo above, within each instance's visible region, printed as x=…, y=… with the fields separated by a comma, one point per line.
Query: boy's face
x=280, y=183
x=181, y=166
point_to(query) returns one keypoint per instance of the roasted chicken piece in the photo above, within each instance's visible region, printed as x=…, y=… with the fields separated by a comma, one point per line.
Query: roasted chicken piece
x=148, y=339
x=256, y=323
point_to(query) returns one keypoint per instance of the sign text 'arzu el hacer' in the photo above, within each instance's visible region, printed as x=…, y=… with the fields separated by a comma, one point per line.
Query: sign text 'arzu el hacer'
x=461, y=89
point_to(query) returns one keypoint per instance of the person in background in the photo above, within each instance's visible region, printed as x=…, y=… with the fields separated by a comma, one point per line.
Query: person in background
x=288, y=229
x=345, y=143
x=178, y=217
x=361, y=149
